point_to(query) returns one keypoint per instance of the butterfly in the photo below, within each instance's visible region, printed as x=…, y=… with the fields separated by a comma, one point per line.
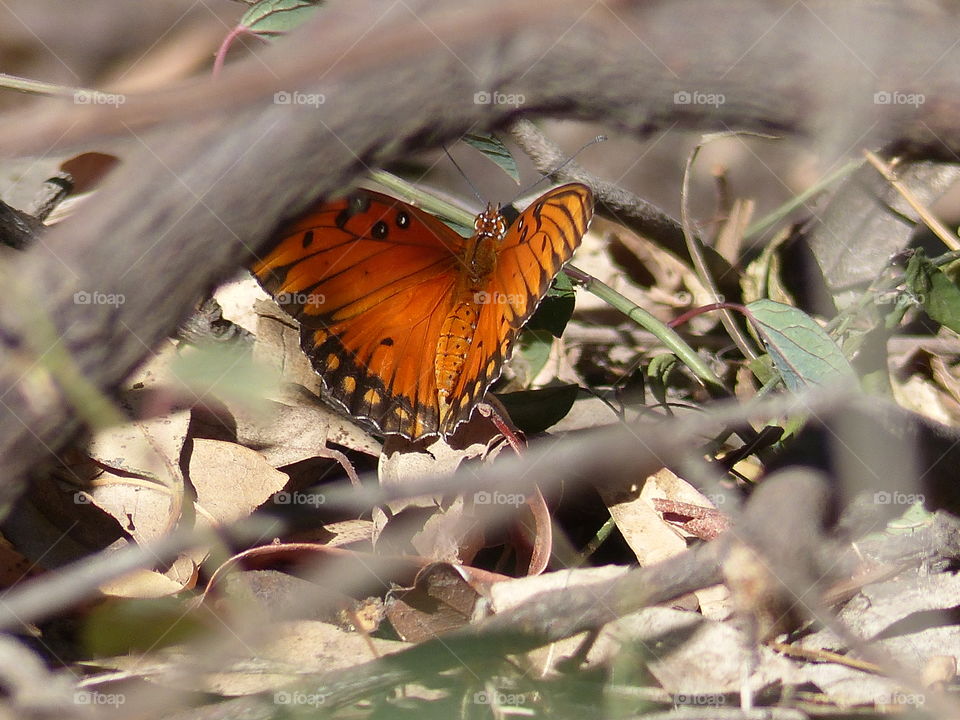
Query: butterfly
x=408, y=323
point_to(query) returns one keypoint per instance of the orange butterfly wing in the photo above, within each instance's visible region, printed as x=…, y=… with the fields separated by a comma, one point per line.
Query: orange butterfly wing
x=375, y=282
x=532, y=253
x=370, y=279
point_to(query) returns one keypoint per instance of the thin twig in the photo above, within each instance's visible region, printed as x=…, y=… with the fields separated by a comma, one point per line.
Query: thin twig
x=695, y=248
x=613, y=202
x=936, y=227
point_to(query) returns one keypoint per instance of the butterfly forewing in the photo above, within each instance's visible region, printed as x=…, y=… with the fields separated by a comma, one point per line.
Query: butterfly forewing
x=370, y=279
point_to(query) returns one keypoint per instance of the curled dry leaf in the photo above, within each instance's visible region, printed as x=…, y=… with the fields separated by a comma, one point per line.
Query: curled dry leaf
x=643, y=527
x=444, y=597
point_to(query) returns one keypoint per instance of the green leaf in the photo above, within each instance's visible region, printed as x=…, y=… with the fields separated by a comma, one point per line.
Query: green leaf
x=556, y=308
x=494, y=149
x=802, y=351
x=762, y=369
x=225, y=373
x=117, y=627
x=533, y=411
x=461, y=230
x=534, y=348
x=278, y=16
x=939, y=295
x=659, y=371
x=547, y=323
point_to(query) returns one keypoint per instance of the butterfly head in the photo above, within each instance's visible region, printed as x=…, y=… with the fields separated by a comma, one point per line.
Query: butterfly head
x=490, y=223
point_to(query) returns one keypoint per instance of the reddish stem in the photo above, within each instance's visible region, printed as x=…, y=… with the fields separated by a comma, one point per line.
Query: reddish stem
x=225, y=46
x=690, y=314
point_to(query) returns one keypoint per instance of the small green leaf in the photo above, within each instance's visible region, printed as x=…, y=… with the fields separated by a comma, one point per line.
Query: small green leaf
x=547, y=323
x=659, y=371
x=122, y=626
x=556, y=308
x=494, y=149
x=534, y=347
x=762, y=369
x=533, y=411
x=915, y=516
x=939, y=295
x=802, y=351
x=225, y=373
x=278, y=16
x=461, y=230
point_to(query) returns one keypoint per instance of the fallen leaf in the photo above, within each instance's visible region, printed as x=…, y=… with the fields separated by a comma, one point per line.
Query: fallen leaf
x=231, y=480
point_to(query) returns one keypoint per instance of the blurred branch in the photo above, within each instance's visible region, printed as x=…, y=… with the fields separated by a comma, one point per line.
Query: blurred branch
x=613, y=203
x=225, y=163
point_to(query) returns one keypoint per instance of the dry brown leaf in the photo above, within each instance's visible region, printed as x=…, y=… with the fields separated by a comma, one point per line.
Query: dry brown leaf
x=300, y=429
x=644, y=529
x=690, y=655
x=145, y=509
x=277, y=345
x=231, y=480
x=442, y=598
x=238, y=298
x=14, y=566
x=918, y=394
x=144, y=584
x=296, y=648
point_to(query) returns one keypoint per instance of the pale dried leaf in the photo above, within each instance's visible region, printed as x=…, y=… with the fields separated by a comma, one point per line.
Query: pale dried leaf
x=689, y=654
x=298, y=430
x=145, y=509
x=644, y=529
x=231, y=480
x=922, y=397
x=144, y=584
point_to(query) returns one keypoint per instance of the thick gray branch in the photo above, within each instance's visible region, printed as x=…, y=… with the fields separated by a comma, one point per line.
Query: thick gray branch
x=221, y=165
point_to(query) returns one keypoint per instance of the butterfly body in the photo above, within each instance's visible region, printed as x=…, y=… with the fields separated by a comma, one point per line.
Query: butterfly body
x=408, y=323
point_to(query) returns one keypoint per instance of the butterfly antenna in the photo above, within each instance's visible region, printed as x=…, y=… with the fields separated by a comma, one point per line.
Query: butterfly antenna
x=561, y=166
x=464, y=175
